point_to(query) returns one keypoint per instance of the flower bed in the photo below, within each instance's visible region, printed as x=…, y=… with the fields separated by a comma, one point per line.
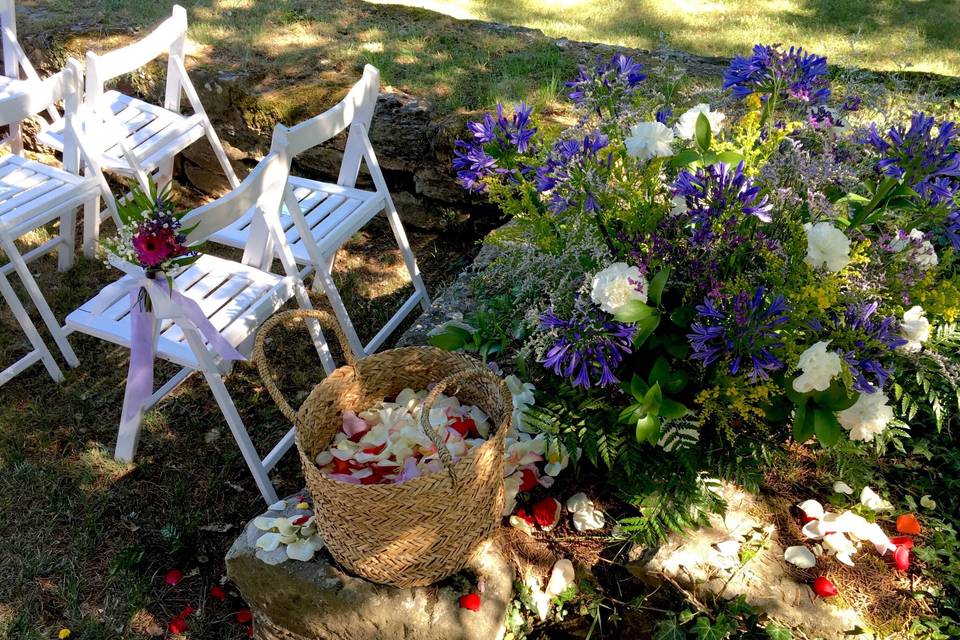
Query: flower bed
x=715, y=293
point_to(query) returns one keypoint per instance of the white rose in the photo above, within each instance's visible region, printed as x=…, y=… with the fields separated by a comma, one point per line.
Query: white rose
x=687, y=124
x=819, y=368
x=867, y=417
x=617, y=285
x=827, y=247
x=649, y=140
x=915, y=328
x=925, y=256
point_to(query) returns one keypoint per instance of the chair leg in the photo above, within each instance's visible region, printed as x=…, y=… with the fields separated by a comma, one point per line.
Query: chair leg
x=128, y=436
x=59, y=336
x=323, y=280
x=249, y=452
x=91, y=226
x=68, y=240
x=221, y=154
x=20, y=313
x=316, y=331
x=397, y=226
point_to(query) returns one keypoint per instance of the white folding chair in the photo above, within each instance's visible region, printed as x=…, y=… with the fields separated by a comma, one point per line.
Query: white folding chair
x=32, y=195
x=319, y=217
x=237, y=297
x=16, y=66
x=136, y=138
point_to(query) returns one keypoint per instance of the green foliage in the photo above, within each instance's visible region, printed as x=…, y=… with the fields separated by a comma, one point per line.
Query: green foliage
x=488, y=332
x=651, y=406
x=731, y=619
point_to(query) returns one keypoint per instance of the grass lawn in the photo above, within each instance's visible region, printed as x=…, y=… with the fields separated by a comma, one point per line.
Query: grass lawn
x=888, y=35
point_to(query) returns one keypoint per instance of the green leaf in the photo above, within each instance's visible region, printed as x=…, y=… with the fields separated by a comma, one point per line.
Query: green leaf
x=684, y=159
x=802, y=423
x=826, y=426
x=777, y=410
x=631, y=414
x=707, y=631
x=703, y=132
x=648, y=429
x=795, y=396
x=651, y=401
x=635, y=311
x=659, y=281
x=678, y=347
x=638, y=388
x=669, y=629
x=452, y=338
x=645, y=329
x=681, y=316
x=671, y=409
x=670, y=381
x=835, y=397
x=776, y=632
x=730, y=157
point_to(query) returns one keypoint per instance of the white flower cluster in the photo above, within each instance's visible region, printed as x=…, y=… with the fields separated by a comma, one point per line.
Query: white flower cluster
x=649, y=140
x=827, y=247
x=868, y=416
x=292, y=537
x=687, y=124
x=617, y=285
x=915, y=328
x=837, y=534
x=819, y=368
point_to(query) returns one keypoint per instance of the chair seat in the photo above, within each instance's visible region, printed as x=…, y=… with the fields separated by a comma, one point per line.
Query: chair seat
x=150, y=132
x=234, y=297
x=32, y=194
x=332, y=212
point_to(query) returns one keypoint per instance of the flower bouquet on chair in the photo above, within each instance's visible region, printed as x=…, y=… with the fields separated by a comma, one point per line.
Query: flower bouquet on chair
x=152, y=248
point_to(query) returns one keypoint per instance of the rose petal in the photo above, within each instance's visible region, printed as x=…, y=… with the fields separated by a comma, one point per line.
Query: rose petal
x=301, y=550
x=244, y=616
x=842, y=487
x=800, y=556
x=928, y=503
x=470, y=601
x=561, y=577
x=901, y=558
x=578, y=502
x=811, y=509
x=177, y=625
x=279, y=505
x=547, y=513
x=824, y=588
x=173, y=577
x=908, y=524
x=216, y=591
x=902, y=541
x=268, y=541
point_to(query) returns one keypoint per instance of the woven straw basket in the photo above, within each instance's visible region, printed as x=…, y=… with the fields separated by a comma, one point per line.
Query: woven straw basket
x=423, y=530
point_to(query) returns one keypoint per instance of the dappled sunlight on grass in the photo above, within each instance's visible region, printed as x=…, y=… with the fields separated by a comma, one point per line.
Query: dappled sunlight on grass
x=887, y=36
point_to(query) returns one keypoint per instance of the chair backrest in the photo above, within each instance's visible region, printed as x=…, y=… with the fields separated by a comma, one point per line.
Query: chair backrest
x=42, y=95
x=167, y=39
x=261, y=191
x=354, y=111
x=8, y=22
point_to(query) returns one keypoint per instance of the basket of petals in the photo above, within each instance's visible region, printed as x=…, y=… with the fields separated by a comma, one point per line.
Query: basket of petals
x=406, y=482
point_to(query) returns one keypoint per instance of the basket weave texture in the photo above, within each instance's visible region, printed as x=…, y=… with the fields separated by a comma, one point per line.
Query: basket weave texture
x=423, y=530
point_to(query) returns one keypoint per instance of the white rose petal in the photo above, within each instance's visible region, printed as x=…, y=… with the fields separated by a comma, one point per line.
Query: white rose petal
x=302, y=550
x=839, y=545
x=579, y=502
x=687, y=123
x=842, y=487
x=870, y=499
x=827, y=247
x=800, y=556
x=649, y=140
x=264, y=523
x=279, y=505
x=819, y=368
x=617, y=285
x=915, y=328
x=728, y=547
x=588, y=520
x=268, y=541
x=815, y=529
x=561, y=577
x=811, y=509
x=868, y=416
x=928, y=503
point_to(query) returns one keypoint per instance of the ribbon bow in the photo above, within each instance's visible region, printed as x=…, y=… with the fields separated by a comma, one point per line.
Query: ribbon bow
x=166, y=303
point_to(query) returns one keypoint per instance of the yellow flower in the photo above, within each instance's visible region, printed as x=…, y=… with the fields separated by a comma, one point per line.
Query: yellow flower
x=64, y=634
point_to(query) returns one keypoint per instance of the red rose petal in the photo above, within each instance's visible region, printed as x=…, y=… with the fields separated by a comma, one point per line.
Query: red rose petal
x=470, y=601
x=903, y=541
x=187, y=610
x=908, y=523
x=824, y=588
x=375, y=450
x=244, y=616
x=526, y=517
x=341, y=466
x=216, y=591
x=173, y=577
x=465, y=427
x=804, y=519
x=528, y=480
x=546, y=513
x=177, y=625
x=901, y=558
x=302, y=520
x=249, y=630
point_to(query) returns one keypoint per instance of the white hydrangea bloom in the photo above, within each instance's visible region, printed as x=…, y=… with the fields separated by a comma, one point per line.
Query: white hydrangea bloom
x=687, y=124
x=649, y=140
x=827, y=247
x=617, y=285
x=915, y=328
x=819, y=368
x=867, y=417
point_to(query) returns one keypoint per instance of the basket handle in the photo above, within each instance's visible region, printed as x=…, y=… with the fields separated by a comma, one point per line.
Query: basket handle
x=259, y=357
x=453, y=379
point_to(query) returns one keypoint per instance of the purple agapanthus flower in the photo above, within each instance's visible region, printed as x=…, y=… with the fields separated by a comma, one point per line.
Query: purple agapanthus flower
x=589, y=346
x=717, y=193
x=744, y=330
x=567, y=172
x=795, y=75
x=492, y=150
x=663, y=115
x=863, y=341
x=608, y=83
x=822, y=119
x=928, y=163
x=852, y=103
